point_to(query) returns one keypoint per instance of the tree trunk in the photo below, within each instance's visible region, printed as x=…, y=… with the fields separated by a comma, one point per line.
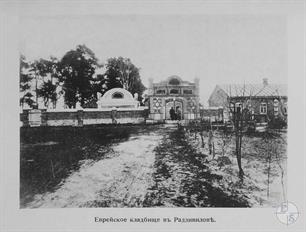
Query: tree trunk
x=238, y=134
x=202, y=139
x=238, y=154
x=269, y=170
x=211, y=143
x=54, y=104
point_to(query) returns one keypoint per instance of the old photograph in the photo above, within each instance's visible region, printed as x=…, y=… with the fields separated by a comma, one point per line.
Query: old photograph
x=153, y=111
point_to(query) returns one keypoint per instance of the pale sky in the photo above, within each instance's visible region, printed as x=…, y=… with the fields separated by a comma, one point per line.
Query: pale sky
x=217, y=49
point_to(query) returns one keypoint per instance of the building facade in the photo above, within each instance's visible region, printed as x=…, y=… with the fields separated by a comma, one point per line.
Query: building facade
x=176, y=95
x=266, y=102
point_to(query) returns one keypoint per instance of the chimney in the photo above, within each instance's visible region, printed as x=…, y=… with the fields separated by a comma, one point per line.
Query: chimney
x=265, y=81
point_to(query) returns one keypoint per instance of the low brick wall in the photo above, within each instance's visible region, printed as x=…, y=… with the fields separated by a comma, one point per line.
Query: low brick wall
x=60, y=118
x=73, y=117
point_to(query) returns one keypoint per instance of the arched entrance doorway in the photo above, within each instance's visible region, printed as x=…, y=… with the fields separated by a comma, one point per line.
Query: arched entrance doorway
x=177, y=105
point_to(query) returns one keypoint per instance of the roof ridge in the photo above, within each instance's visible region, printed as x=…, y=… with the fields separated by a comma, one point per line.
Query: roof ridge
x=253, y=84
x=248, y=89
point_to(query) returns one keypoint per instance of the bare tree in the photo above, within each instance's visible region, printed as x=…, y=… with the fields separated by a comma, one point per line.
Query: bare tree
x=239, y=106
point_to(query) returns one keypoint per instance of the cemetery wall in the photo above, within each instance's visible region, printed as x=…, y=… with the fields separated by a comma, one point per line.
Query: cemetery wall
x=74, y=117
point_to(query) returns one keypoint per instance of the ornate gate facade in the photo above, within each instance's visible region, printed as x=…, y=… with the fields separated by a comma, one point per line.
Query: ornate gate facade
x=181, y=96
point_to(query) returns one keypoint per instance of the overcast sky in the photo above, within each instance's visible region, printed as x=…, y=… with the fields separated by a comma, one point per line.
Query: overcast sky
x=217, y=49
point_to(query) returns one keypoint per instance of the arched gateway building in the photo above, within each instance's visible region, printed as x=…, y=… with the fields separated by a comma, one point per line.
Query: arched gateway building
x=174, y=96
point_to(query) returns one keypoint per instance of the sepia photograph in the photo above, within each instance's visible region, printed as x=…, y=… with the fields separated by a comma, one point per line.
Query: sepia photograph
x=152, y=115
x=153, y=111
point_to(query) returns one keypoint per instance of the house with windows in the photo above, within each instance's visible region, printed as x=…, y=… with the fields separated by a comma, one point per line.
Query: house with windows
x=266, y=102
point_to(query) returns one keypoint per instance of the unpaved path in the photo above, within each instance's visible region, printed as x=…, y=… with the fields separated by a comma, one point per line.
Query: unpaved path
x=120, y=179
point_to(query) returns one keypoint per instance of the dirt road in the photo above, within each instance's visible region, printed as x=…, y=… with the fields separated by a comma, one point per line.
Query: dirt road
x=120, y=179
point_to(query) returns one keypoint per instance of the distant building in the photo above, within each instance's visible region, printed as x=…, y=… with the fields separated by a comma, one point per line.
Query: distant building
x=265, y=101
x=182, y=96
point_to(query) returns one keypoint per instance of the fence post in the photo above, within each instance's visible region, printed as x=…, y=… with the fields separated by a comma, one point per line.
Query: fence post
x=35, y=117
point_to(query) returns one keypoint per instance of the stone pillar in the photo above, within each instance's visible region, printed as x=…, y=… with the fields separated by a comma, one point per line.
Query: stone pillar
x=163, y=108
x=35, y=117
x=44, y=117
x=80, y=115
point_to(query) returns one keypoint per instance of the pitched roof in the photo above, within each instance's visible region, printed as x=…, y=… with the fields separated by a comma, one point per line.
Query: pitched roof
x=255, y=90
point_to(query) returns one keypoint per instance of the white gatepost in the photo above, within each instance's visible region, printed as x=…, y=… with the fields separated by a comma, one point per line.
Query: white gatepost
x=35, y=117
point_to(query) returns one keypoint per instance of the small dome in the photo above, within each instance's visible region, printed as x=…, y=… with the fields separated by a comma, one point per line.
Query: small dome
x=174, y=80
x=116, y=92
x=117, y=97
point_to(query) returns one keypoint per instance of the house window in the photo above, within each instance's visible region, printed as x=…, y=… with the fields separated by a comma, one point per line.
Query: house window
x=174, y=91
x=160, y=91
x=238, y=106
x=187, y=91
x=263, y=108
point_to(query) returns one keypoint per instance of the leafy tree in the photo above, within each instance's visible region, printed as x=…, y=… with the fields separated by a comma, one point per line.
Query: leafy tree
x=122, y=73
x=99, y=84
x=25, y=83
x=77, y=69
x=39, y=70
x=48, y=92
x=43, y=68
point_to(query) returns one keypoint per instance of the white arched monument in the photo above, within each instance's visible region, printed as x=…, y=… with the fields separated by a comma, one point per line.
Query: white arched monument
x=117, y=98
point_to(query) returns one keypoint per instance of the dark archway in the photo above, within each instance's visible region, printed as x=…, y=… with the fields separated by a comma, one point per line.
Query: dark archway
x=176, y=104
